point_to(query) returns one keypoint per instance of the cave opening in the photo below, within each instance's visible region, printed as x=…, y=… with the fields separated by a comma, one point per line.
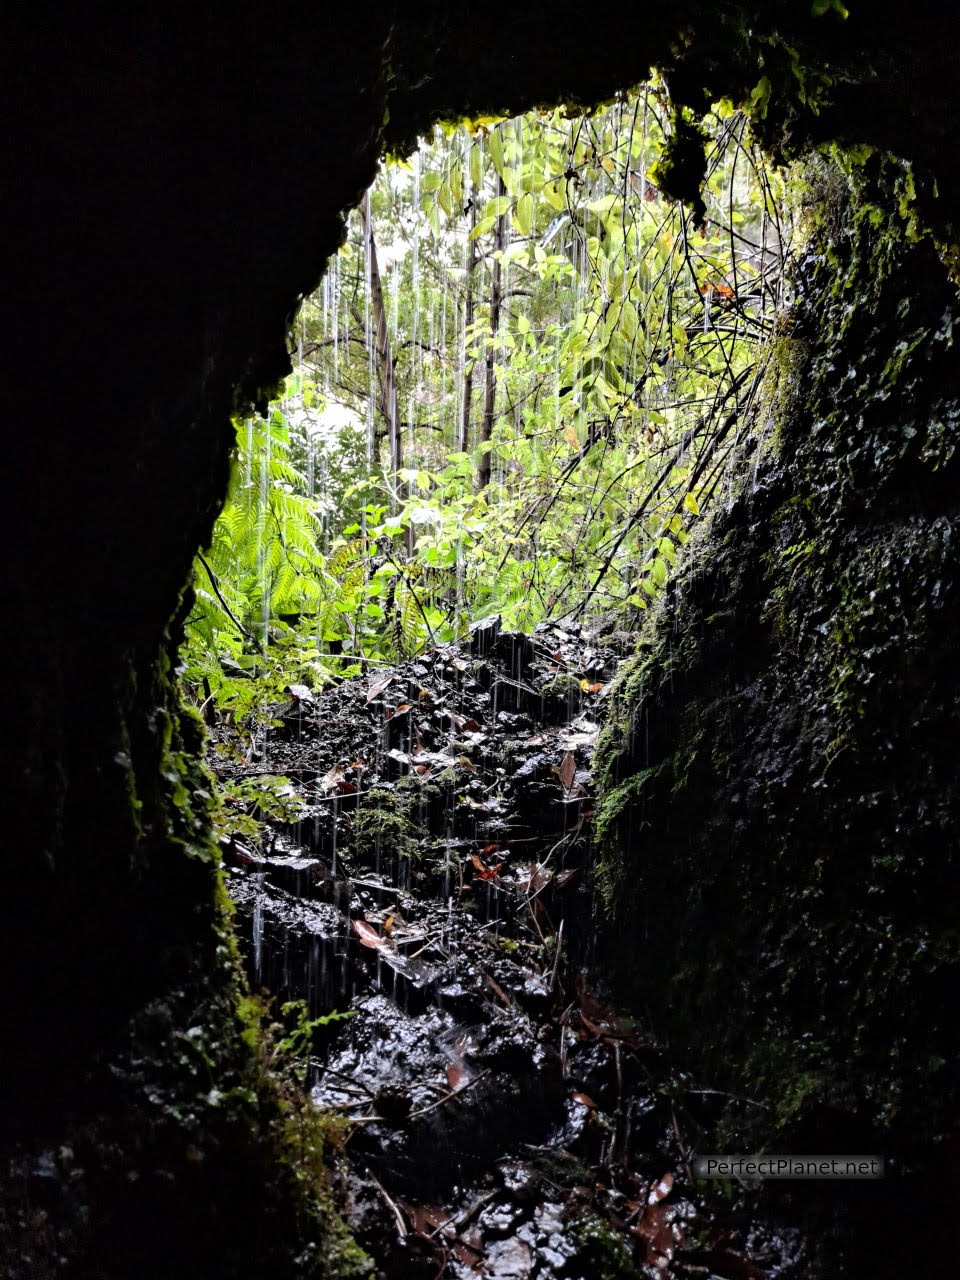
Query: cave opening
x=180, y=182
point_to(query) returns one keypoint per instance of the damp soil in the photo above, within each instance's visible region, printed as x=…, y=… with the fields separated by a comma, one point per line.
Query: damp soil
x=430, y=876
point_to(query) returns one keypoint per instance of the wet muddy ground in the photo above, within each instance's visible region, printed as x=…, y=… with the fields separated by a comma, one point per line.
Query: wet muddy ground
x=427, y=869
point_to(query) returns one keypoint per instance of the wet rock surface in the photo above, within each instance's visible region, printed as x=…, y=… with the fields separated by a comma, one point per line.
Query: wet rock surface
x=504, y=1119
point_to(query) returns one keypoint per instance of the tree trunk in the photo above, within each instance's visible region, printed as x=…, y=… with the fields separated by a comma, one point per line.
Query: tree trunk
x=490, y=388
x=386, y=377
x=472, y=259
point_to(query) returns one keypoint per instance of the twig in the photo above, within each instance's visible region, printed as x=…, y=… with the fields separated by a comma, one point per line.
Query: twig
x=734, y=1097
x=558, y=940
x=402, y=1230
x=683, y=1152
x=461, y=1220
x=226, y=608
x=447, y=1096
x=329, y=1071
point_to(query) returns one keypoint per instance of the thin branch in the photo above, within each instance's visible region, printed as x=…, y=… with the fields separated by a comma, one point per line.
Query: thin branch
x=227, y=610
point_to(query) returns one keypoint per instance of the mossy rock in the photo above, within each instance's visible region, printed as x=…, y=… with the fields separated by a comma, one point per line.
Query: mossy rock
x=779, y=797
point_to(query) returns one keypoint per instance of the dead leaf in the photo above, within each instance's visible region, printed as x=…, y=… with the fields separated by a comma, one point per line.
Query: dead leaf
x=388, y=925
x=375, y=690
x=473, y=804
x=660, y=1189
x=470, y=726
x=585, y=1100
x=539, y=876
x=483, y=871
x=469, y=1251
x=332, y=779
x=660, y=1234
x=568, y=770
x=455, y=1075
x=424, y=1219
x=466, y=763
x=368, y=935
x=498, y=991
x=716, y=288
x=563, y=877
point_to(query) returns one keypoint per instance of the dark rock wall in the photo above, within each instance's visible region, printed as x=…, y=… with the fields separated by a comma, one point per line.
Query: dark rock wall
x=173, y=183
x=782, y=786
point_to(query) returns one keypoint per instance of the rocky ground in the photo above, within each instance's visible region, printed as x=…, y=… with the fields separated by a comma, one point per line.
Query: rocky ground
x=422, y=861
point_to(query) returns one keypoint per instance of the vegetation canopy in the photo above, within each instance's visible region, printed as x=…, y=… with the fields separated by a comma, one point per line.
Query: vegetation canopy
x=514, y=393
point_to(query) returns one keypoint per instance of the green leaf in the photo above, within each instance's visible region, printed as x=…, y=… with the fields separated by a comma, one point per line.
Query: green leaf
x=495, y=147
x=552, y=193
x=484, y=225
x=692, y=505
x=497, y=206
x=523, y=214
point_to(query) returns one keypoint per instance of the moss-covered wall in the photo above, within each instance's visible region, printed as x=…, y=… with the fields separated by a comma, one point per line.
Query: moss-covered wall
x=174, y=182
x=782, y=785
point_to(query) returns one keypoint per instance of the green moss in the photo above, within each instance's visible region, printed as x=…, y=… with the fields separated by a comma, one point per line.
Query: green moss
x=601, y=1252
x=385, y=827
x=778, y=810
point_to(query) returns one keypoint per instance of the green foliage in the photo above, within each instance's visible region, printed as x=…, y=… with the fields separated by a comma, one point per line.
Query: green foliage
x=245, y=803
x=516, y=389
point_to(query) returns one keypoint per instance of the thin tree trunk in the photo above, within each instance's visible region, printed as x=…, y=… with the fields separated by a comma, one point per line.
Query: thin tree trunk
x=472, y=259
x=387, y=388
x=490, y=389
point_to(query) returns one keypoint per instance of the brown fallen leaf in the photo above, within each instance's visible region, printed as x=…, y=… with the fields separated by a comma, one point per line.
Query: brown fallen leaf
x=473, y=804
x=568, y=770
x=498, y=991
x=483, y=871
x=585, y=1100
x=660, y=1234
x=375, y=690
x=455, y=1074
x=660, y=1189
x=368, y=935
x=332, y=779
x=538, y=877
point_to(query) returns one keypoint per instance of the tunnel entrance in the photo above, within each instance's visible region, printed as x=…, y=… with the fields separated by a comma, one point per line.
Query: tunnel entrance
x=514, y=398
